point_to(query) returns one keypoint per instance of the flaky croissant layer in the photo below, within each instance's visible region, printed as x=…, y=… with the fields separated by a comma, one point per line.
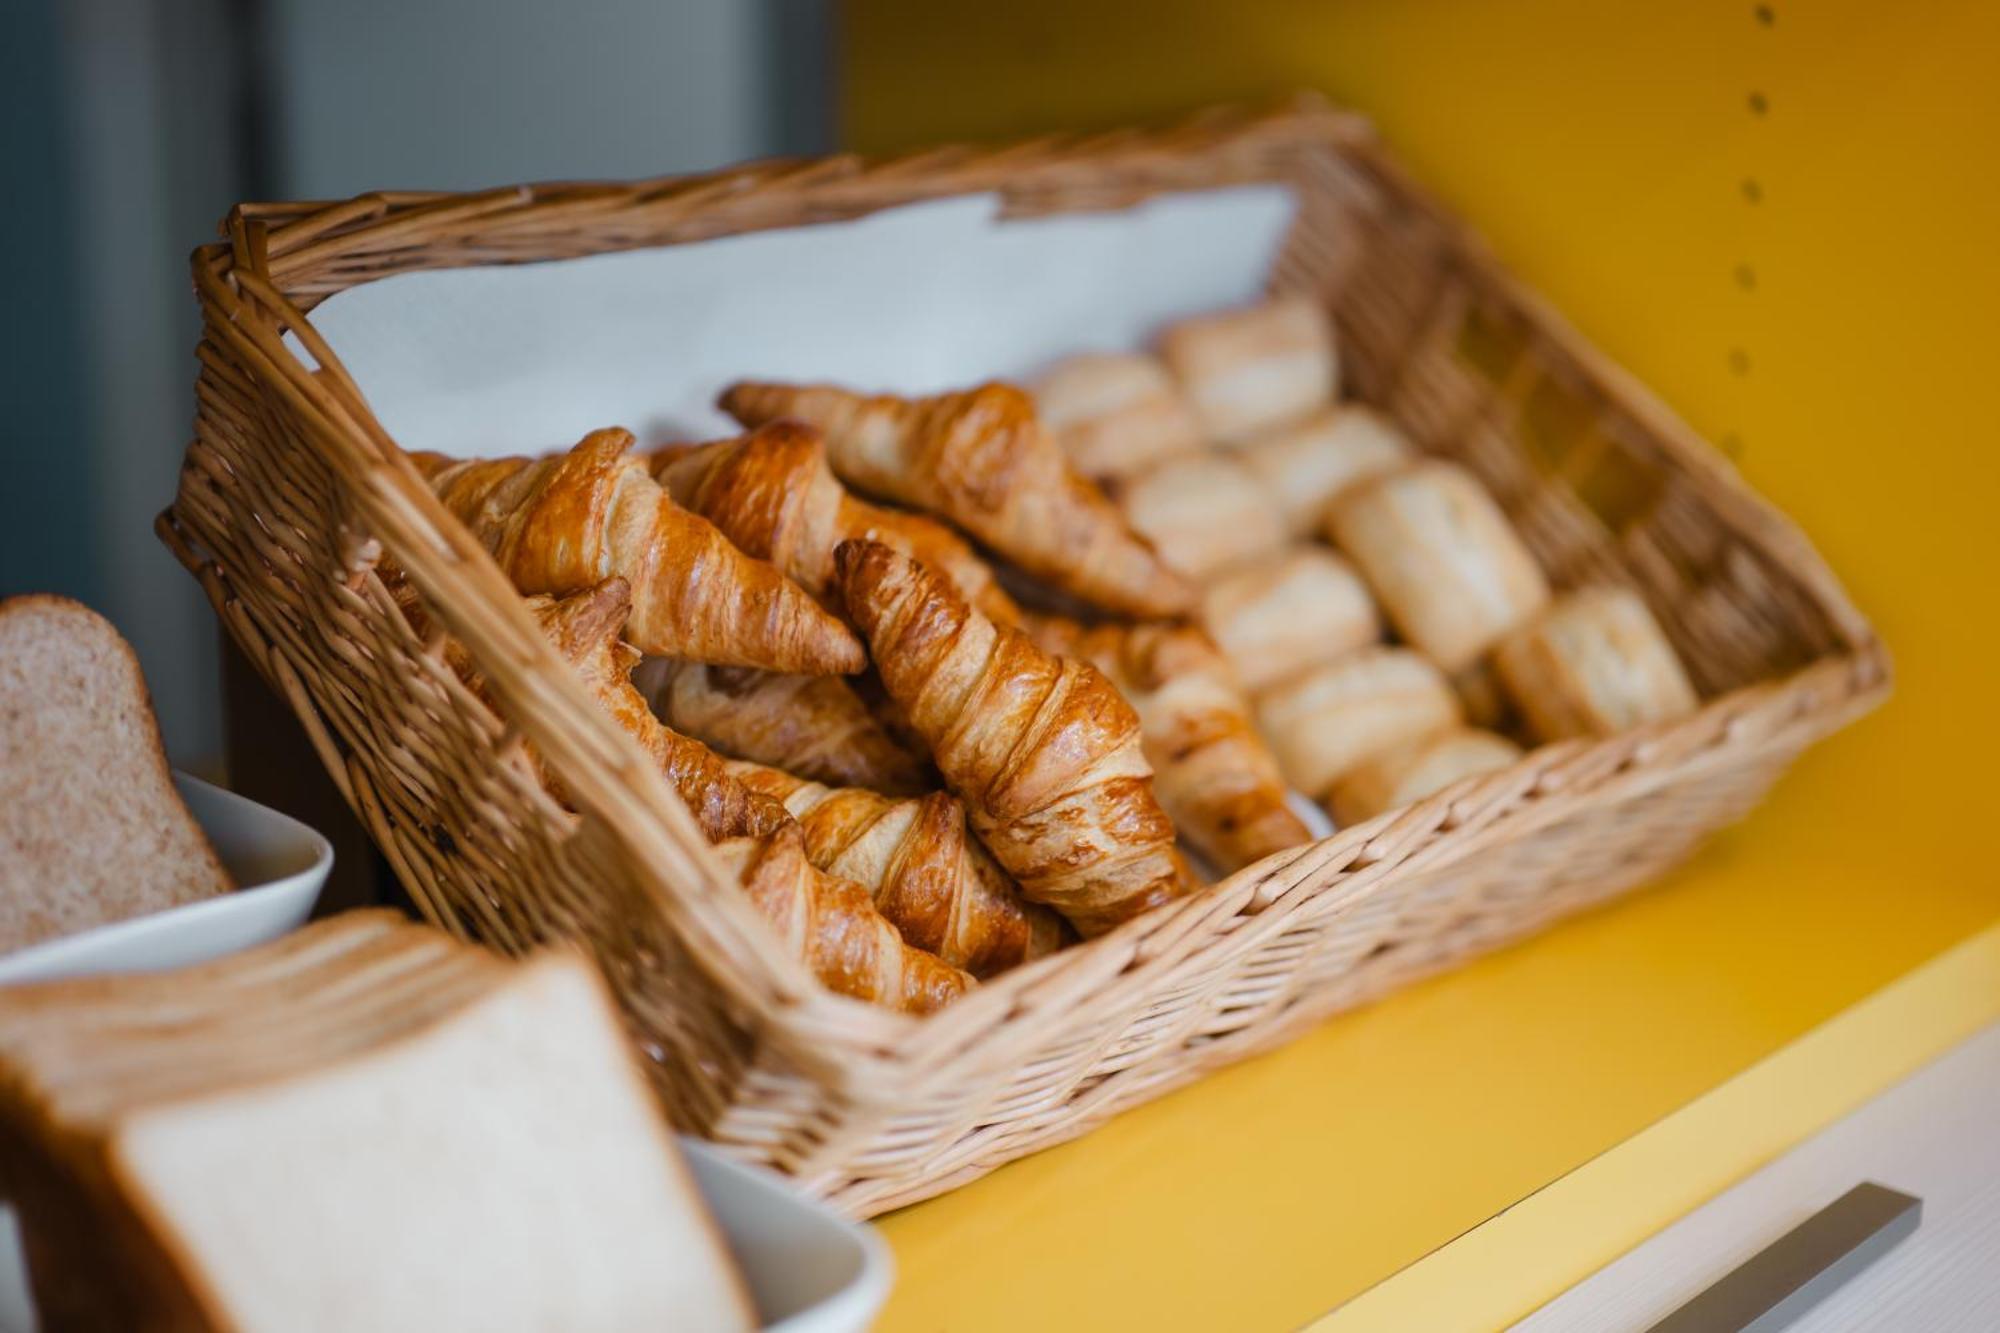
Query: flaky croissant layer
x=816, y=726
x=981, y=459
x=1211, y=769
x=929, y=876
x=565, y=523
x=584, y=628
x=1043, y=750
x=831, y=925
x=772, y=493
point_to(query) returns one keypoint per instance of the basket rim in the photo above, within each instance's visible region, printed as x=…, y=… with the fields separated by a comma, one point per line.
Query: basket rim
x=262, y=280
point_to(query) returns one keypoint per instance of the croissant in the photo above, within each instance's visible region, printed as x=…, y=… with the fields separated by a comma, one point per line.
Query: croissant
x=773, y=495
x=565, y=523
x=1215, y=776
x=584, y=628
x=812, y=725
x=832, y=926
x=929, y=877
x=981, y=459
x=1042, y=749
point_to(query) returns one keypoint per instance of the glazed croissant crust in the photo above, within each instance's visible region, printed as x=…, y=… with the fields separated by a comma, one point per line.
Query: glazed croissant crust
x=1042, y=749
x=832, y=926
x=584, y=628
x=565, y=523
x=931, y=878
x=981, y=459
x=1214, y=775
x=772, y=493
x=816, y=726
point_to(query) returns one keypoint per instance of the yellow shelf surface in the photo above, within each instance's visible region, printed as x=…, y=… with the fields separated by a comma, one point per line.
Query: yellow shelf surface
x=1779, y=216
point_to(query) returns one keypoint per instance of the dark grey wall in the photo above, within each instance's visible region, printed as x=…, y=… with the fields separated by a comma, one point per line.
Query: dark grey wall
x=47, y=529
x=130, y=126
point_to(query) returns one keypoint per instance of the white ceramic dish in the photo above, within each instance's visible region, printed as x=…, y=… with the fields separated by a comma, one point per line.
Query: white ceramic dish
x=809, y=1269
x=279, y=866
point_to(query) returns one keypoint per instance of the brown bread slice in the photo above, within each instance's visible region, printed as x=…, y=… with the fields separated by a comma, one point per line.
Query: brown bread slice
x=91, y=828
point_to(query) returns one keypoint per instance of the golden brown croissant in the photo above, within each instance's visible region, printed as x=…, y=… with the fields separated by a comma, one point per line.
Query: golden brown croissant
x=812, y=725
x=1042, y=749
x=565, y=523
x=772, y=493
x=1214, y=775
x=981, y=459
x=584, y=628
x=832, y=926
x=931, y=878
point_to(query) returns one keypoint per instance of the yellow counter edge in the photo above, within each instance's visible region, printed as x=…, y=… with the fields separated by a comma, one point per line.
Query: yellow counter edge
x=1526, y=1256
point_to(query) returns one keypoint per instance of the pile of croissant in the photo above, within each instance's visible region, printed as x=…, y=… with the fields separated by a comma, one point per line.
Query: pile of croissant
x=952, y=681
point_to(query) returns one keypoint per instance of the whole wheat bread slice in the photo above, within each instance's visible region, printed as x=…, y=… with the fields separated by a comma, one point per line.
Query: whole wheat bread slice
x=367, y=1125
x=91, y=828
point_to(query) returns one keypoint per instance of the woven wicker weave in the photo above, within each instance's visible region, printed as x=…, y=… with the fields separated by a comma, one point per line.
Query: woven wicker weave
x=291, y=490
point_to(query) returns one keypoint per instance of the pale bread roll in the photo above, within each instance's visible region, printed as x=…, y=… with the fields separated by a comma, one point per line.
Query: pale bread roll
x=365, y=1125
x=1115, y=414
x=1203, y=514
x=1305, y=466
x=1247, y=371
x=91, y=828
x=1595, y=664
x=1328, y=720
x=1276, y=616
x=1409, y=773
x=1449, y=569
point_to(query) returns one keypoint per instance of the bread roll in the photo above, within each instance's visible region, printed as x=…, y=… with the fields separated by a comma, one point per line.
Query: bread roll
x=1596, y=664
x=1329, y=720
x=1305, y=466
x=1247, y=371
x=1275, y=616
x=1450, y=571
x=1116, y=414
x=1203, y=513
x=1409, y=773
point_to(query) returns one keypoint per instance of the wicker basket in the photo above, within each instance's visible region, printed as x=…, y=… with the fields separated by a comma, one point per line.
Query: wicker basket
x=291, y=490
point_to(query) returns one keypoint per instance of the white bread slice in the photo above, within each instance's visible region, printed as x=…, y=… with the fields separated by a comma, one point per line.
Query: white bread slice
x=366, y=1125
x=91, y=828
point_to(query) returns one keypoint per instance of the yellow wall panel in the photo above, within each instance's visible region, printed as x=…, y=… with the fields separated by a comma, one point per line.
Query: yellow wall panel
x=1783, y=219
